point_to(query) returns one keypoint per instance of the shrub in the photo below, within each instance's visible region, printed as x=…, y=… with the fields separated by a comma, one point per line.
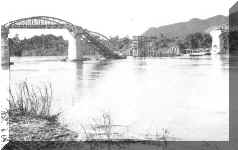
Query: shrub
x=31, y=101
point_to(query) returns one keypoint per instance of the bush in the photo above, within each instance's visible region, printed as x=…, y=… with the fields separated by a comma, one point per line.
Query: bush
x=28, y=100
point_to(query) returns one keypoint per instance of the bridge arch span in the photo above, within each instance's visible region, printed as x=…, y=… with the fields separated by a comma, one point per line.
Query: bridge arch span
x=39, y=22
x=80, y=35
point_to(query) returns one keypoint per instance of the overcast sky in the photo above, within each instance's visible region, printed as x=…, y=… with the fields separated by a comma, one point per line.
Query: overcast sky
x=115, y=17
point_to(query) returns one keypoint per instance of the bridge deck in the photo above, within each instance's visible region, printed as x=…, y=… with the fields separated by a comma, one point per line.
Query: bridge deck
x=45, y=22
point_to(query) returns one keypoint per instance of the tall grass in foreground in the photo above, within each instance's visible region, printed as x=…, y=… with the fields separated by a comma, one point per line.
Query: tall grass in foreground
x=29, y=100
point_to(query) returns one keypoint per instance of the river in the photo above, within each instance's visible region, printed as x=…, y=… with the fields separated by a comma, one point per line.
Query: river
x=188, y=96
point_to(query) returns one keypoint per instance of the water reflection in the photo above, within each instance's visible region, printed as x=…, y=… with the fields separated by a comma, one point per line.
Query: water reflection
x=79, y=71
x=141, y=65
x=98, y=69
x=5, y=67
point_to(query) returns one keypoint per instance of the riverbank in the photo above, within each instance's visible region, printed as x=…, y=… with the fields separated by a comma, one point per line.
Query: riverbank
x=30, y=118
x=28, y=128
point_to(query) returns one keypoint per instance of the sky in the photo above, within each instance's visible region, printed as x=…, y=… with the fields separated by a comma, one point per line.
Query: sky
x=114, y=17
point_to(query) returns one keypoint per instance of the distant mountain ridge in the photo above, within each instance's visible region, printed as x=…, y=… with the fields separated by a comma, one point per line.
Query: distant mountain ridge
x=184, y=28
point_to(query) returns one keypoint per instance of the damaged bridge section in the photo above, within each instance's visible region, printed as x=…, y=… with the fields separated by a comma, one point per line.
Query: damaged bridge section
x=80, y=35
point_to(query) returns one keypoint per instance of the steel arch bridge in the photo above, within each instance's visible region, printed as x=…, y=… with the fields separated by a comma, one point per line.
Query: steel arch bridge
x=105, y=48
x=39, y=22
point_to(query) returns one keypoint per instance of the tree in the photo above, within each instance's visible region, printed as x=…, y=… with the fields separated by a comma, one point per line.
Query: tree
x=207, y=41
x=14, y=45
x=47, y=45
x=198, y=40
x=120, y=43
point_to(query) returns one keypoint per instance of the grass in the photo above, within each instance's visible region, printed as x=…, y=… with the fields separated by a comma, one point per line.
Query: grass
x=33, y=101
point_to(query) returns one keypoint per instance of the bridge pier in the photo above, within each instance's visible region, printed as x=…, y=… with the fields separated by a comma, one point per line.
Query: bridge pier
x=5, y=54
x=216, y=43
x=76, y=48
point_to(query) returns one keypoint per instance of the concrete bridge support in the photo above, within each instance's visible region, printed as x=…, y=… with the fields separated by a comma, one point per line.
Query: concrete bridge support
x=216, y=43
x=76, y=48
x=5, y=56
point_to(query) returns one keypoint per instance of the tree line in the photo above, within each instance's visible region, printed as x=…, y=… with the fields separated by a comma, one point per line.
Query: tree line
x=51, y=45
x=43, y=45
x=191, y=41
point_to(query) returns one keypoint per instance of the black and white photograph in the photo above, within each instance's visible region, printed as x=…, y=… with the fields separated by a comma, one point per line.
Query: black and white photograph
x=118, y=74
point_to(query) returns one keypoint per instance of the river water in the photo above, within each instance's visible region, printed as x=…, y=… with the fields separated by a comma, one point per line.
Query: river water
x=188, y=96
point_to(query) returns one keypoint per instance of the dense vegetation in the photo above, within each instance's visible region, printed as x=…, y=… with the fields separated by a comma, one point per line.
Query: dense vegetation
x=43, y=45
x=121, y=44
x=50, y=45
x=195, y=40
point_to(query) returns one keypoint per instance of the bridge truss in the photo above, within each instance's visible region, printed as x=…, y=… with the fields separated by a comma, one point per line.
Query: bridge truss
x=103, y=44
